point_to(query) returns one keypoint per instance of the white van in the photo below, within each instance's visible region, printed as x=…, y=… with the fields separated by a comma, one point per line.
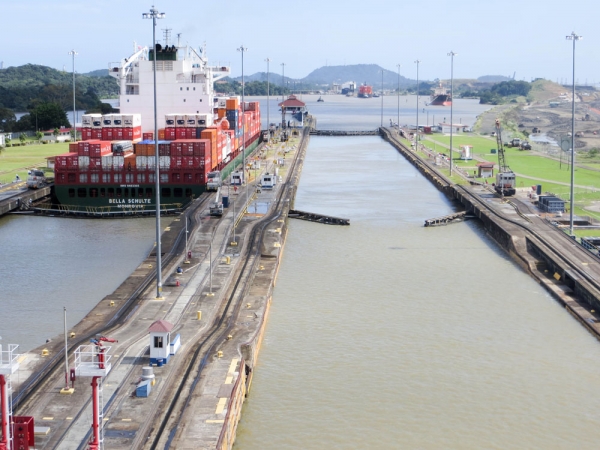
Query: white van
x=268, y=181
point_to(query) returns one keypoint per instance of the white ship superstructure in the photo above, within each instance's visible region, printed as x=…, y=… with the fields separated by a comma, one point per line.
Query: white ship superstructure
x=184, y=82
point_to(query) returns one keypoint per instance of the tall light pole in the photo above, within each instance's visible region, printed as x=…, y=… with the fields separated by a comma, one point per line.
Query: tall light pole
x=282, y=99
x=381, y=98
x=417, y=135
x=451, y=55
x=243, y=50
x=268, y=93
x=154, y=15
x=399, y=66
x=73, y=53
x=573, y=37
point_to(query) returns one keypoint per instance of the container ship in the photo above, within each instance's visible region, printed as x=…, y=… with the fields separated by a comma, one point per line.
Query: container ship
x=113, y=168
x=441, y=97
x=365, y=91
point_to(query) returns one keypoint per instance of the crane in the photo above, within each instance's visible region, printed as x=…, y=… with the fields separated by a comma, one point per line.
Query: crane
x=93, y=361
x=505, y=178
x=216, y=207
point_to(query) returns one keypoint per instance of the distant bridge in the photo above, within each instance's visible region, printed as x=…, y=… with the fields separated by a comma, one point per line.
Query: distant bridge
x=344, y=133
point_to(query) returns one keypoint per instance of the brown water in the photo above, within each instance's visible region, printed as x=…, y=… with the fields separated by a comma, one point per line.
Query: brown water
x=48, y=263
x=386, y=334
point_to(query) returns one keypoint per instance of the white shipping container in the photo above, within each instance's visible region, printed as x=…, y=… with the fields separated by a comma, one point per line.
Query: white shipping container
x=107, y=162
x=117, y=121
x=84, y=162
x=170, y=120
x=131, y=120
x=190, y=121
x=164, y=162
x=180, y=120
x=91, y=121
x=107, y=121
x=141, y=162
x=151, y=162
x=87, y=120
x=118, y=161
x=204, y=120
x=222, y=102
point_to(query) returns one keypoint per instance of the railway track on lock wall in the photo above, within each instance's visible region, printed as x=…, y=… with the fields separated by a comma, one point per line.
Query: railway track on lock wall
x=55, y=364
x=562, y=240
x=222, y=324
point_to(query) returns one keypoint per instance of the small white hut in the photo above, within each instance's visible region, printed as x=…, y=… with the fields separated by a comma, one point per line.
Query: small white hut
x=160, y=340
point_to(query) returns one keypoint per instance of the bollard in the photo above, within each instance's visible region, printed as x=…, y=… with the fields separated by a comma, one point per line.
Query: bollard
x=199, y=315
x=228, y=260
x=45, y=352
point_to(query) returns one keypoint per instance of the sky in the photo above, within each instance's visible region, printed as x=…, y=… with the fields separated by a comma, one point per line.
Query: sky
x=526, y=38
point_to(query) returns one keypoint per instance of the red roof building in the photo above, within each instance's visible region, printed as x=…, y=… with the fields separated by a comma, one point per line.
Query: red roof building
x=294, y=107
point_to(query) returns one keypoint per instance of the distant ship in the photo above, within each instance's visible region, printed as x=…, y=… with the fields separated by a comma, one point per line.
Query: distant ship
x=441, y=96
x=365, y=91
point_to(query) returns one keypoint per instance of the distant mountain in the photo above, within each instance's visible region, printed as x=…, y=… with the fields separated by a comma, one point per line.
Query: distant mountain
x=359, y=73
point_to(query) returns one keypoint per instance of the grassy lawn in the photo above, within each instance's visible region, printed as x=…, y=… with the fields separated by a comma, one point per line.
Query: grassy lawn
x=586, y=233
x=481, y=145
x=16, y=160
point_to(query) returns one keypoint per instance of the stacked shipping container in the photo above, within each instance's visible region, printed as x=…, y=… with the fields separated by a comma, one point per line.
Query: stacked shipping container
x=189, y=146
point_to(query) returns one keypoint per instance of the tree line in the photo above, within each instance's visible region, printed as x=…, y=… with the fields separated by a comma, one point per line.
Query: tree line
x=45, y=94
x=501, y=92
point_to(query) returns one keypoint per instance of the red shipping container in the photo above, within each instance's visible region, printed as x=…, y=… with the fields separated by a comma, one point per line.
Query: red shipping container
x=130, y=133
x=107, y=134
x=72, y=161
x=118, y=134
x=201, y=147
x=137, y=133
x=86, y=134
x=187, y=149
x=95, y=163
x=99, y=148
x=180, y=133
x=176, y=162
x=61, y=161
x=147, y=136
x=188, y=162
x=164, y=149
x=170, y=134
x=176, y=148
x=190, y=133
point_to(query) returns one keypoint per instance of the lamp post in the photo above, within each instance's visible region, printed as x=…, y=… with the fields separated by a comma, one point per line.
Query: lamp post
x=398, y=119
x=282, y=95
x=154, y=15
x=417, y=135
x=451, y=55
x=573, y=37
x=73, y=53
x=268, y=93
x=381, y=98
x=243, y=50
